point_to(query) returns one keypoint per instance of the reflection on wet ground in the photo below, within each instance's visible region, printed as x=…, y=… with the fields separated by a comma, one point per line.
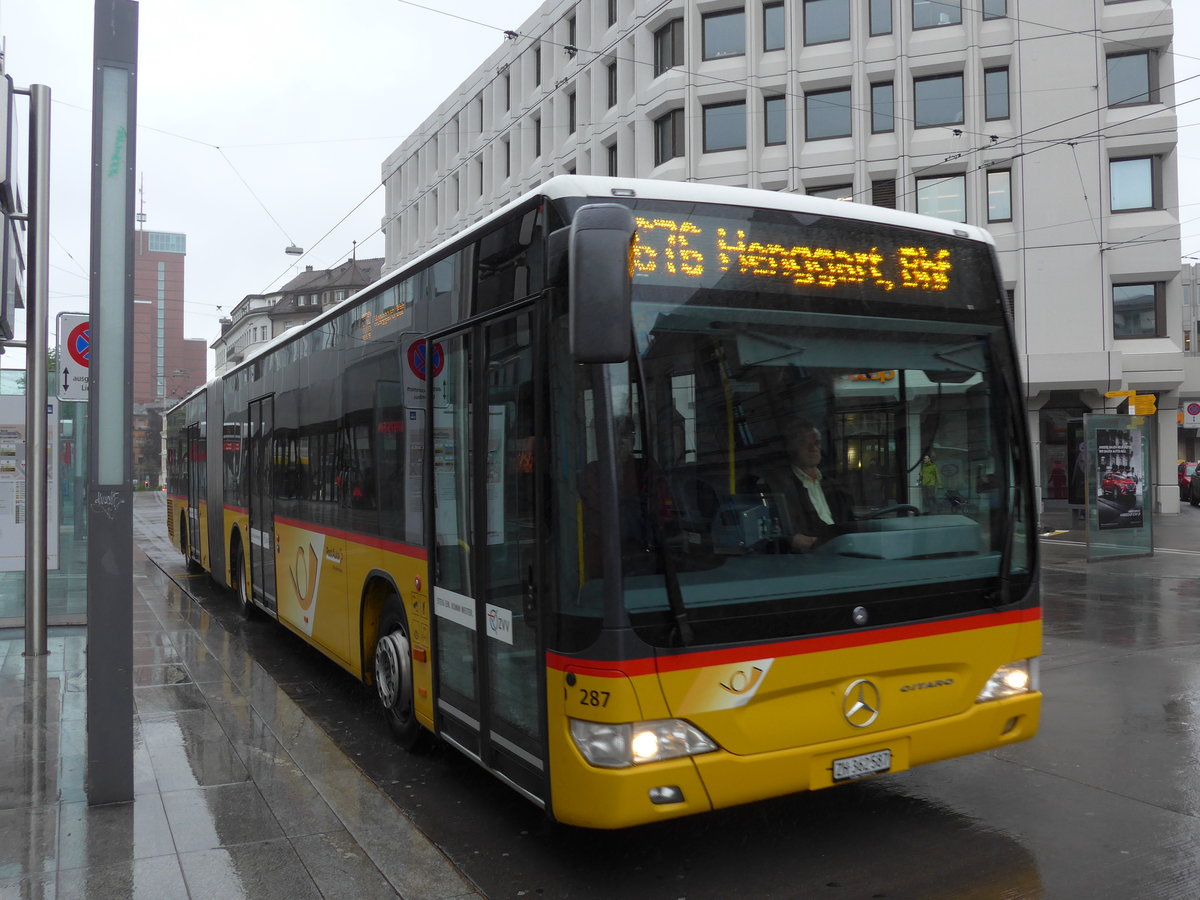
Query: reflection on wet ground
x=252, y=749
x=237, y=793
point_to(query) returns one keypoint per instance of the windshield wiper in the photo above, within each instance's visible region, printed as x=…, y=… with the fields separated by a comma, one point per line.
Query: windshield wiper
x=655, y=485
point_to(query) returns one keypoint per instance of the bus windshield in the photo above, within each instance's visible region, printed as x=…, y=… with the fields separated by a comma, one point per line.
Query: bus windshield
x=798, y=458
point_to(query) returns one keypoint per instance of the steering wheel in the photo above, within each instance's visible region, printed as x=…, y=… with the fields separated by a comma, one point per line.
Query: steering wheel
x=900, y=509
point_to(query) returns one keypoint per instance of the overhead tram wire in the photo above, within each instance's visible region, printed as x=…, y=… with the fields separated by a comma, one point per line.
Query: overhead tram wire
x=321, y=239
x=1095, y=133
x=283, y=231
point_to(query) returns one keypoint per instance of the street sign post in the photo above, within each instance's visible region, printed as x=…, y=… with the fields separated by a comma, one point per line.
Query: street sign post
x=74, y=355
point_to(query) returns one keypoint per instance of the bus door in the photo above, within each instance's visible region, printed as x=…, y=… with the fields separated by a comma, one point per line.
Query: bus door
x=484, y=546
x=195, y=461
x=262, y=507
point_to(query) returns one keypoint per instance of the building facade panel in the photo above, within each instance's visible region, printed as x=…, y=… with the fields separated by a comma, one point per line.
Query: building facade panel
x=1051, y=124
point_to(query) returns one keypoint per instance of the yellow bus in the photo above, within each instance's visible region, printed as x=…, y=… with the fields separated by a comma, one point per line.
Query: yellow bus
x=651, y=498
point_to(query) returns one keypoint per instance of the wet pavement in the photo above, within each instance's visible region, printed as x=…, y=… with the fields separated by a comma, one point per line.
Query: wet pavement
x=264, y=770
x=237, y=792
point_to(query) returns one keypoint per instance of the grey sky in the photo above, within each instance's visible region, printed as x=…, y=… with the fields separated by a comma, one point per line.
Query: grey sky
x=258, y=110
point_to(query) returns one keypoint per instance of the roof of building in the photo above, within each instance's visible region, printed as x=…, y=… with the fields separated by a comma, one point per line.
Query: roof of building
x=353, y=273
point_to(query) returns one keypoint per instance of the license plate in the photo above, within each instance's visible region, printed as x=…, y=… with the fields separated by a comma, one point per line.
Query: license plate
x=862, y=766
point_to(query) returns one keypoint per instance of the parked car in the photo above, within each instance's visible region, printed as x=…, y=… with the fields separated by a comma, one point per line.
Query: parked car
x=1186, y=470
x=1194, y=486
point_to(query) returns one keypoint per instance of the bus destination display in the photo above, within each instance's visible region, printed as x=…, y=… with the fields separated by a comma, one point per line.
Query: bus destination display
x=704, y=249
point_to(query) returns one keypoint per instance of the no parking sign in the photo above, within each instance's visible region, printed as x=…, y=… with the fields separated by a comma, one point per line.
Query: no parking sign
x=423, y=363
x=74, y=356
x=1191, y=415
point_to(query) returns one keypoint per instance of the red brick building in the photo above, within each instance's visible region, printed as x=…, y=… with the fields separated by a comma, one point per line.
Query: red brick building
x=166, y=365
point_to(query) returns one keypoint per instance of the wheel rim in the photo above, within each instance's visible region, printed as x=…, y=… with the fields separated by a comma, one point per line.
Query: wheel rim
x=243, y=595
x=393, y=670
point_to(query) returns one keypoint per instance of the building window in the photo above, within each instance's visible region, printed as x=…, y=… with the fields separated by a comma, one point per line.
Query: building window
x=999, y=188
x=507, y=86
x=572, y=31
x=774, y=27
x=507, y=151
x=1137, y=310
x=826, y=21
x=939, y=100
x=479, y=175
x=725, y=127
x=612, y=84
x=834, y=192
x=537, y=65
x=1131, y=80
x=827, y=114
x=995, y=93
x=537, y=136
x=881, y=16
x=668, y=47
x=936, y=13
x=1133, y=184
x=668, y=136
x=612, y=12
x=611, y=153
x=995, y=9
x=882, y=108
x=775, y=110
x=883, y=193
x=572, y=109
x=724, y=34
x=944, y=196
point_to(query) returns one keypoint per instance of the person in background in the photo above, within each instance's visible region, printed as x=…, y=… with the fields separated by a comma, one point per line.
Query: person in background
x=930, y=479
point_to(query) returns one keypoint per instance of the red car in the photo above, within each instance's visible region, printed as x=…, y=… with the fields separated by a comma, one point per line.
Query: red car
x=1118, y=485
x=1185, y=479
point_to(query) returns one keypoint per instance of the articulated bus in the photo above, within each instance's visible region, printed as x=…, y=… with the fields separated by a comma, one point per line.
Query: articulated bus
x=528, y=488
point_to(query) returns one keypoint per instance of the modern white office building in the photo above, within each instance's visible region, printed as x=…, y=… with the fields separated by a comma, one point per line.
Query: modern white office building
x=1049, y=122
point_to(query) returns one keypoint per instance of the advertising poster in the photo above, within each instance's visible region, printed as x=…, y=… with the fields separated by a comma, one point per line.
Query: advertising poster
x=1120, y=482
x=1118, y=477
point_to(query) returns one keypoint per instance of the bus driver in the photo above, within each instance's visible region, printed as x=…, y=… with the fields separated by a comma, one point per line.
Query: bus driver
x=816, y=505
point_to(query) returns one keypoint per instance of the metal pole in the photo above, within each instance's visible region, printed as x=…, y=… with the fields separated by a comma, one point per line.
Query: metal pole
x=36, y=338
x=110, y=707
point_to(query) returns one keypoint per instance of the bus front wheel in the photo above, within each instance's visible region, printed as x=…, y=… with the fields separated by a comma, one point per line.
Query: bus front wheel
x=393, y=674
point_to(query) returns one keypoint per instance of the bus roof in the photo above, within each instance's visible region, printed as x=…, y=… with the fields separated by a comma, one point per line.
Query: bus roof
x=603, y=187
x=687, y=192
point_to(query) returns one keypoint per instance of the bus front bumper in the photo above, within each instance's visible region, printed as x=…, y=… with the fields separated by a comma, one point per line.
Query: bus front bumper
x=592, y=797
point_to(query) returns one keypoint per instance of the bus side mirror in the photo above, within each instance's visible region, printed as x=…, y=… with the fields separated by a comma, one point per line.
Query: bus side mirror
x=601, y=320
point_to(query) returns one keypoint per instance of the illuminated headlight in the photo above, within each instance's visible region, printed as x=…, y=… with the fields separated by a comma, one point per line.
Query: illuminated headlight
x=1009, y=680
x=631, y=744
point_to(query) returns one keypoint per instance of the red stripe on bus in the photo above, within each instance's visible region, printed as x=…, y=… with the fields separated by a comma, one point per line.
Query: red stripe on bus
x=355, y=538
x=237, y=509
x=701, y=658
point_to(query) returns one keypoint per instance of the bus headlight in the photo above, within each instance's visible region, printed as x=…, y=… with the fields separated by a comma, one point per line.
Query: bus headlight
x=1018, y=677
x=634, y=743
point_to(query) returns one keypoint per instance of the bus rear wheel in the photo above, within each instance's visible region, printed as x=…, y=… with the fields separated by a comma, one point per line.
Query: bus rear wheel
x=393, y=674
x=240, y=578
x=189, y=564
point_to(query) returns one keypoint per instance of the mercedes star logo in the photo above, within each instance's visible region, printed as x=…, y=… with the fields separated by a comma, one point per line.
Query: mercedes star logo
x=860, y=704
